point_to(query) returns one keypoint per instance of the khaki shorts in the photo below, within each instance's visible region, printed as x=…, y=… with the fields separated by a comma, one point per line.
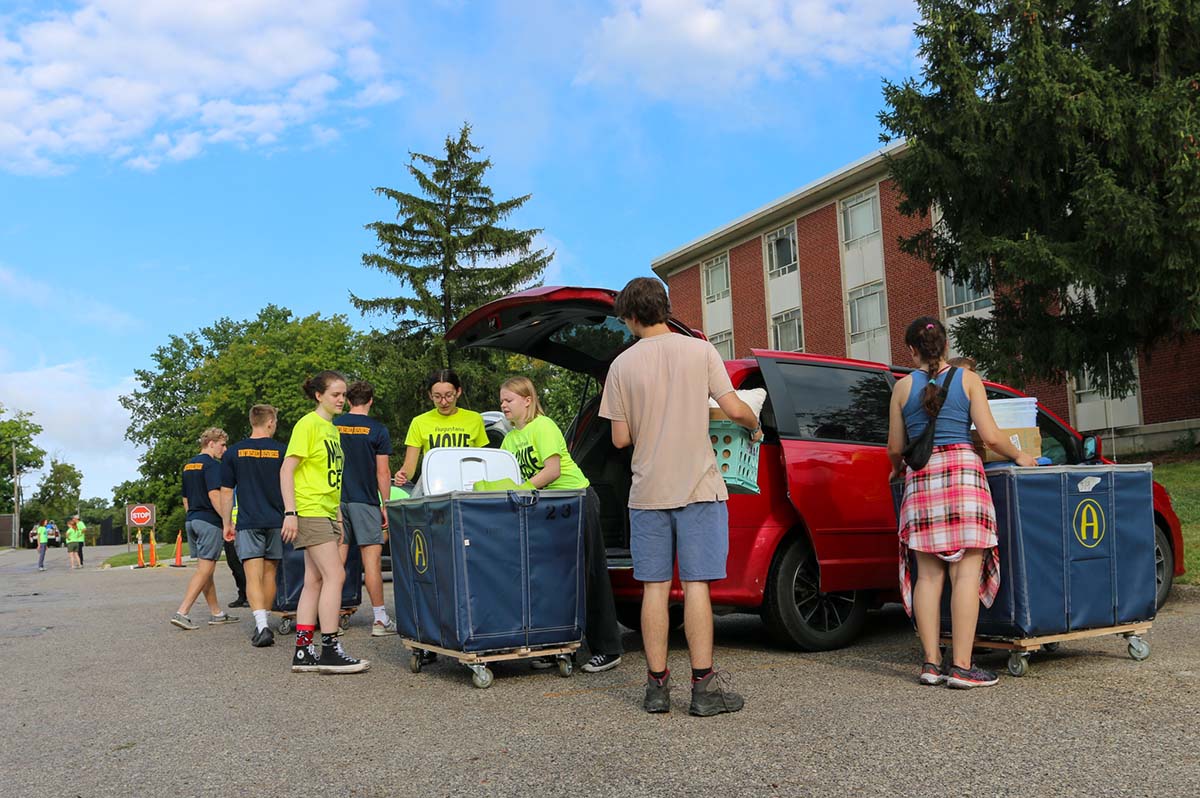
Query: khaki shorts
x=315, y=531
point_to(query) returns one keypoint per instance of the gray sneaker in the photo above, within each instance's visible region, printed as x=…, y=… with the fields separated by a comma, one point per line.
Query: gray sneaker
x=658, y=694
x=713, y=695
x=224, y=617
x=183, y=622
x=383, y=629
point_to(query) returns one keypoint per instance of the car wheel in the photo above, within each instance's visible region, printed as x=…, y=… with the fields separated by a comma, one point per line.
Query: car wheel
x=1164, y=566
x=798, y=614
x=630, y=616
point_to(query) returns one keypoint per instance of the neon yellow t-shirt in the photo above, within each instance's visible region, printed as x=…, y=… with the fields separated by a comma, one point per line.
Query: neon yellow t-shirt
x=432, y=430
x=76, y=535
x=43, y=534
x=539, y=440
x=319, y=475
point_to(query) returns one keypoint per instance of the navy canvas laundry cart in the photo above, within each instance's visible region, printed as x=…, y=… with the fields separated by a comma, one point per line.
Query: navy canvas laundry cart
x=489, y=576
x=289, y=581
x=1076, y=549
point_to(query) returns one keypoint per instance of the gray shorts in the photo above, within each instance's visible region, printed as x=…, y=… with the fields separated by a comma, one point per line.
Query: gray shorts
x=207, y=540
x=362, y=524
x=697, y=533
x=255, y=544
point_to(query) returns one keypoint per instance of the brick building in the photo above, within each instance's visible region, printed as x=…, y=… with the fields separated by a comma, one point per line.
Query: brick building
x=820, y=270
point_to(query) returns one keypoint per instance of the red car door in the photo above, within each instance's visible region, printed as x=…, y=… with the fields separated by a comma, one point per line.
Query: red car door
x=832, y=416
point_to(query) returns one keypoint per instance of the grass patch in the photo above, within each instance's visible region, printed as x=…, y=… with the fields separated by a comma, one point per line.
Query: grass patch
x=1181, y=477
x=166, y=556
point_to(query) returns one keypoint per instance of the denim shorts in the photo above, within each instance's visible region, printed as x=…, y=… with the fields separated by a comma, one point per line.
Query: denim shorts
x=698, y=534
x=208, y=541
x=362, y=525
x=255, y=544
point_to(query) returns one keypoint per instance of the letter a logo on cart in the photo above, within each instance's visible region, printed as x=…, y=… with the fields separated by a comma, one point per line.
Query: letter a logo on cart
x=1088, y=523
x=420, y=552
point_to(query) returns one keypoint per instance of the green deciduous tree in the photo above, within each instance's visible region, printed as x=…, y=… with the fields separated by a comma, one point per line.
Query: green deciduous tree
x=211, y=378
x=17, y=428
x=1061, y=143
x=57, y=496
x=450, y=253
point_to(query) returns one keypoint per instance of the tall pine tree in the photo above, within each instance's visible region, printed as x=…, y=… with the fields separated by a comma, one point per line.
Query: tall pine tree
x=1060, y=140
x=449, y=249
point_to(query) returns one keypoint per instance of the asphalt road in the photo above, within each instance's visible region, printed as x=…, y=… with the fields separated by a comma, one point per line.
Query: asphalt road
x=102, y=697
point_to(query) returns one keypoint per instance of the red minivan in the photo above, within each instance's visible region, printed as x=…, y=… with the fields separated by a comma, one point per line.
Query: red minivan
x=817, y=546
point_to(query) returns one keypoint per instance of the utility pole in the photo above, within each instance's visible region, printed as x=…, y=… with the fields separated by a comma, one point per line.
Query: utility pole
x=16, y=498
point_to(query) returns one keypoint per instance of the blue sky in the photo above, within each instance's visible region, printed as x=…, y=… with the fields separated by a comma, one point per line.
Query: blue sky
x=166, y=164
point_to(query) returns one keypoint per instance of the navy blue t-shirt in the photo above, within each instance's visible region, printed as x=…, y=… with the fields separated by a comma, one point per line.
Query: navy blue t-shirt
x=252, y=467
x=363, y=438
x=200, y=475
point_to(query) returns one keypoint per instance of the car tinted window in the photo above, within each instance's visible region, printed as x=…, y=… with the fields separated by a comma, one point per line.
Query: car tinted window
x=837, y=404
x=601, y=339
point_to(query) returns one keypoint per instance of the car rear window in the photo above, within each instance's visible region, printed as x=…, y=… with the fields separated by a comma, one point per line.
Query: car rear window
x=837, y=404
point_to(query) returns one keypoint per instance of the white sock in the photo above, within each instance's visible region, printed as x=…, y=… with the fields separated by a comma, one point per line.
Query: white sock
x=381, y=615
x=260, y=620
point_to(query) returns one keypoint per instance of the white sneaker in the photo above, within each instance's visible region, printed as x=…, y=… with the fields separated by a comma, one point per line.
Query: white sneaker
x=380, y=629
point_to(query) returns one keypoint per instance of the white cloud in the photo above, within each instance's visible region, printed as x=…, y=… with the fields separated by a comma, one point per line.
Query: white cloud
x=82, y=422
x=708, y=48
x=113, y=75
x=20, y=289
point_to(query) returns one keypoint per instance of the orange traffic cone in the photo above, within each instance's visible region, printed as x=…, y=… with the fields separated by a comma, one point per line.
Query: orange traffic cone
x=153, y=551
x=141, y=557
x=178, y=550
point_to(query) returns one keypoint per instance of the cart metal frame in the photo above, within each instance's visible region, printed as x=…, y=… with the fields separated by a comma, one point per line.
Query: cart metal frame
x=477, y=663
x=1021, y=648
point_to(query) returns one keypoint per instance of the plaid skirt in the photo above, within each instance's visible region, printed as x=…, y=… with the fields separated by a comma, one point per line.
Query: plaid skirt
x=947, y=508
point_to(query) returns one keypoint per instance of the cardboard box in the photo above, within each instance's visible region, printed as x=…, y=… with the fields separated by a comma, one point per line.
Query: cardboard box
x=717, y=414
x=1027, y=439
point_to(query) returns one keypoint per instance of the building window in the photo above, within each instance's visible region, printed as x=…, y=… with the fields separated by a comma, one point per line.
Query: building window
x=787, y=331
x=962, y=298
x=781, y=251
x=723, y=341
x=716, y=278
x=860, y=216
x=1086, y=389
x=866, y=312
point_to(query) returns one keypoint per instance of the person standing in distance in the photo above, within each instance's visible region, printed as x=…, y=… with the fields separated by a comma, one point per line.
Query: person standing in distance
x=311, y=483
x=42, y=533
x=251, y=466
x=656, y=396
x=366, y=444
x=201, y=498
x=446, y=424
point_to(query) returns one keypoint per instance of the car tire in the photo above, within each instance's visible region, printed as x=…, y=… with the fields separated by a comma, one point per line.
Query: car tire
x=797, y=614
x=1164, y=566
x=630, y=616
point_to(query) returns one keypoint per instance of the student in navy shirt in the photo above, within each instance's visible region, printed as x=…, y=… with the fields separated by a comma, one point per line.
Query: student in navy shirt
x=366, y=480
x=201, y=500
x=251, y=466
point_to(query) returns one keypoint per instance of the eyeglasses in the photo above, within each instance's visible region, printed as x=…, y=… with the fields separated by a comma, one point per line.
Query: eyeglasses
x=444, y=397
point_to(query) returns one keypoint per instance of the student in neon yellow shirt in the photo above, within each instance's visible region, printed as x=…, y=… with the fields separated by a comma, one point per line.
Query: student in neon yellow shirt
x=446, y=424
x=74, y=541
x=311, y=484
x=541, y=451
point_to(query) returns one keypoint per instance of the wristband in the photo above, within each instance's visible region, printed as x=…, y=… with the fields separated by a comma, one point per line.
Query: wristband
x=290, y=513
x=756, y=430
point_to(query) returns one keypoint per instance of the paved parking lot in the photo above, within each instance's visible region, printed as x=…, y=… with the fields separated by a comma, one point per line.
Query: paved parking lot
x=103, y=697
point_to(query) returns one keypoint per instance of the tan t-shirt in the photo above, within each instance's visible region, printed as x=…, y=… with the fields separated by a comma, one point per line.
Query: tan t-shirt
x=660, y=387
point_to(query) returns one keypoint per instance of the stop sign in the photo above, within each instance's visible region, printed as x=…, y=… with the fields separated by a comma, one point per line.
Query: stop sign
x=140, y=514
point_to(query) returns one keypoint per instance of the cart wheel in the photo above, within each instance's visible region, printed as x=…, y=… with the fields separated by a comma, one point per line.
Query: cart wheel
x=1139, y=649
x=1050, y=648
x=414, y=662
x=482, y=678
x=565, y=666
x=344, y=622
x=285, y=626
x=1018, y=665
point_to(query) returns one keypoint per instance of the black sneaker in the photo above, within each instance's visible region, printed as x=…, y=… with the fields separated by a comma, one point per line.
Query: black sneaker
x=966, y=678
x=428, y=657
x=713, y=695
x=262, y=638
x=305, y=660
x=240, y=601
x=658, y=694
x=334, y=659
x=602, y=662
